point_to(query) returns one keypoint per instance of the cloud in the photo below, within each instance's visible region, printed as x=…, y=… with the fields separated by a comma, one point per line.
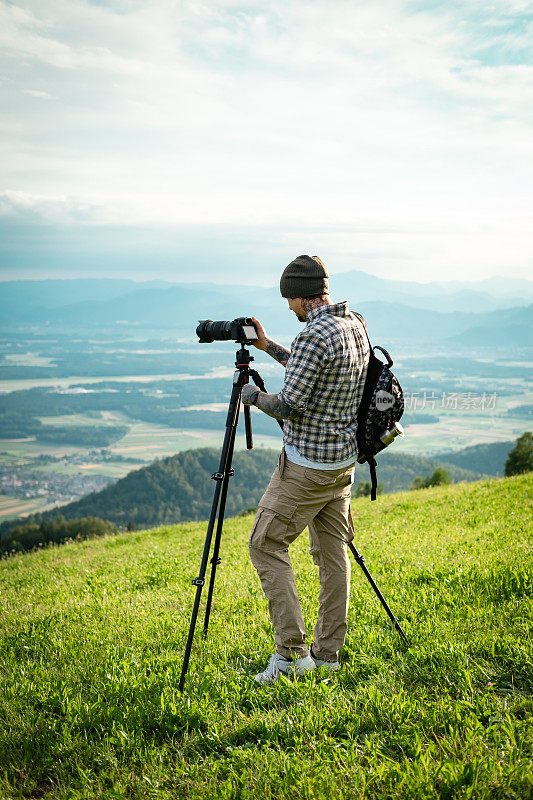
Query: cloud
x=29, y=33
x=38, y=93
x=42, y=209
x=407, y=117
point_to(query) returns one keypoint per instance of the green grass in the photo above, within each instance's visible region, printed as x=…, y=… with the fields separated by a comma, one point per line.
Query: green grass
x=92, y=638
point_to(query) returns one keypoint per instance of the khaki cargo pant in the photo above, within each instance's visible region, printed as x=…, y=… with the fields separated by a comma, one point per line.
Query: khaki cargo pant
x=296, y=498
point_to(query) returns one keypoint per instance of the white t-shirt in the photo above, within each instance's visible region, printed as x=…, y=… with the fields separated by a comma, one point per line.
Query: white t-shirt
x=293, y=455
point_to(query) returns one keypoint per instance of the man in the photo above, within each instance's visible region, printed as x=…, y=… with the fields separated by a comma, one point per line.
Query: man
x=311, y=486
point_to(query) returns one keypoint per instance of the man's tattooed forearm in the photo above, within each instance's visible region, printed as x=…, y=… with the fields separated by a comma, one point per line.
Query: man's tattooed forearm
x=274, y=406
x=278, y=352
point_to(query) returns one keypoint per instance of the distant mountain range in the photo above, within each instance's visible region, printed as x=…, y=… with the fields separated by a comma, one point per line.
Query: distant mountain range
x=179, y=488
x=472, y=296
x=19, y=297
x=498, y=335
x=495, y=312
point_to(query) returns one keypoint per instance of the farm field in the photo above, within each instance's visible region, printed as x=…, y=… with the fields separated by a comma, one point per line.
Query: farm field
x=12, y=507
x=96, y=419
x=90, y=664
x=456, y=430
x=115, y=469
x=145, y=441
x=148, y=441
x=16, y=384
x=29, y=448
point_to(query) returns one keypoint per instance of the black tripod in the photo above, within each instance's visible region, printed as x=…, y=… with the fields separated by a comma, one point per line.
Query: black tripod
x=241, y=377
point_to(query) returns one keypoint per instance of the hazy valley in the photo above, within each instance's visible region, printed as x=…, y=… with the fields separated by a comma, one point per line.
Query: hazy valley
x=99, y=377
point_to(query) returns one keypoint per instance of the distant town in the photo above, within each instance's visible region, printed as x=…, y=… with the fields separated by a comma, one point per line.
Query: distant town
x=56, y=488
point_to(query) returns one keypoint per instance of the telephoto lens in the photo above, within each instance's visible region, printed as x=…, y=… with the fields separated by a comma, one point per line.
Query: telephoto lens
x=207, y=331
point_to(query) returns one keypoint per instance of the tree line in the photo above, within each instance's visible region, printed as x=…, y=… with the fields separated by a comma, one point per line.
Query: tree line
x=31, y=535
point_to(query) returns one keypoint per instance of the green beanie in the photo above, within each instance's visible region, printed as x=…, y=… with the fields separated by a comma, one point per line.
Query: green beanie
x=306, y=276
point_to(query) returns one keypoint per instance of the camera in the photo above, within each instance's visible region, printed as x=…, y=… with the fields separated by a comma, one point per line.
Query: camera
x=240, y=330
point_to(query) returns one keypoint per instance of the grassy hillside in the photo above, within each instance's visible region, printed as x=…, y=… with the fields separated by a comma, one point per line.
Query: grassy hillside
x=92, y=638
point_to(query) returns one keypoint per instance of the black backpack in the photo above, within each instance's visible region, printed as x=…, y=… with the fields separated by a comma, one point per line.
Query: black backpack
x=379, y=412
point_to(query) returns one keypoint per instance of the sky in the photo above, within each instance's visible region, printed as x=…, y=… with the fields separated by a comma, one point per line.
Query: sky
x=218, y=140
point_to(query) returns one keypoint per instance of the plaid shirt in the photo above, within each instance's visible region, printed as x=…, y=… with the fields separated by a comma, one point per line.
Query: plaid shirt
x=324, y=379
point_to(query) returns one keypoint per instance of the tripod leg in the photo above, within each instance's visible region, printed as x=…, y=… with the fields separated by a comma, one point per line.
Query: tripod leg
x=199, y=582
x=248, y=428
x=215, y=561
x=221, y=478
x=361, y=561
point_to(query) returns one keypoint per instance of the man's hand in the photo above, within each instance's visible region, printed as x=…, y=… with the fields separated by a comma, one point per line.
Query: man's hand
x=249, y=394
x=277, y=351
x=262, y=338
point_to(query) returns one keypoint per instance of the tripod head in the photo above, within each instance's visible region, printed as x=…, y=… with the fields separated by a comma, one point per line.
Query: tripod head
x=243, y=359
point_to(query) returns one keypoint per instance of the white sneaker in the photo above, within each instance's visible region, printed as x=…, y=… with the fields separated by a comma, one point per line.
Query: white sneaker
x=278, y=665
x=333, y=666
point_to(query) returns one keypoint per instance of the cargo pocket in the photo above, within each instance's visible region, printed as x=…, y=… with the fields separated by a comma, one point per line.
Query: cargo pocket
x=261, y=523
x=272, y=523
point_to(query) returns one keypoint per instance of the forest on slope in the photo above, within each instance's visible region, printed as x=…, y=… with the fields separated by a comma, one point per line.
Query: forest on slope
x=179, y=488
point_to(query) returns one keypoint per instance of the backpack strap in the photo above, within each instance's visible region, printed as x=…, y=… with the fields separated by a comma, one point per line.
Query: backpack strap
x=369, y=456
x=373, y=478
x=377, y=347
x=362, y=321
